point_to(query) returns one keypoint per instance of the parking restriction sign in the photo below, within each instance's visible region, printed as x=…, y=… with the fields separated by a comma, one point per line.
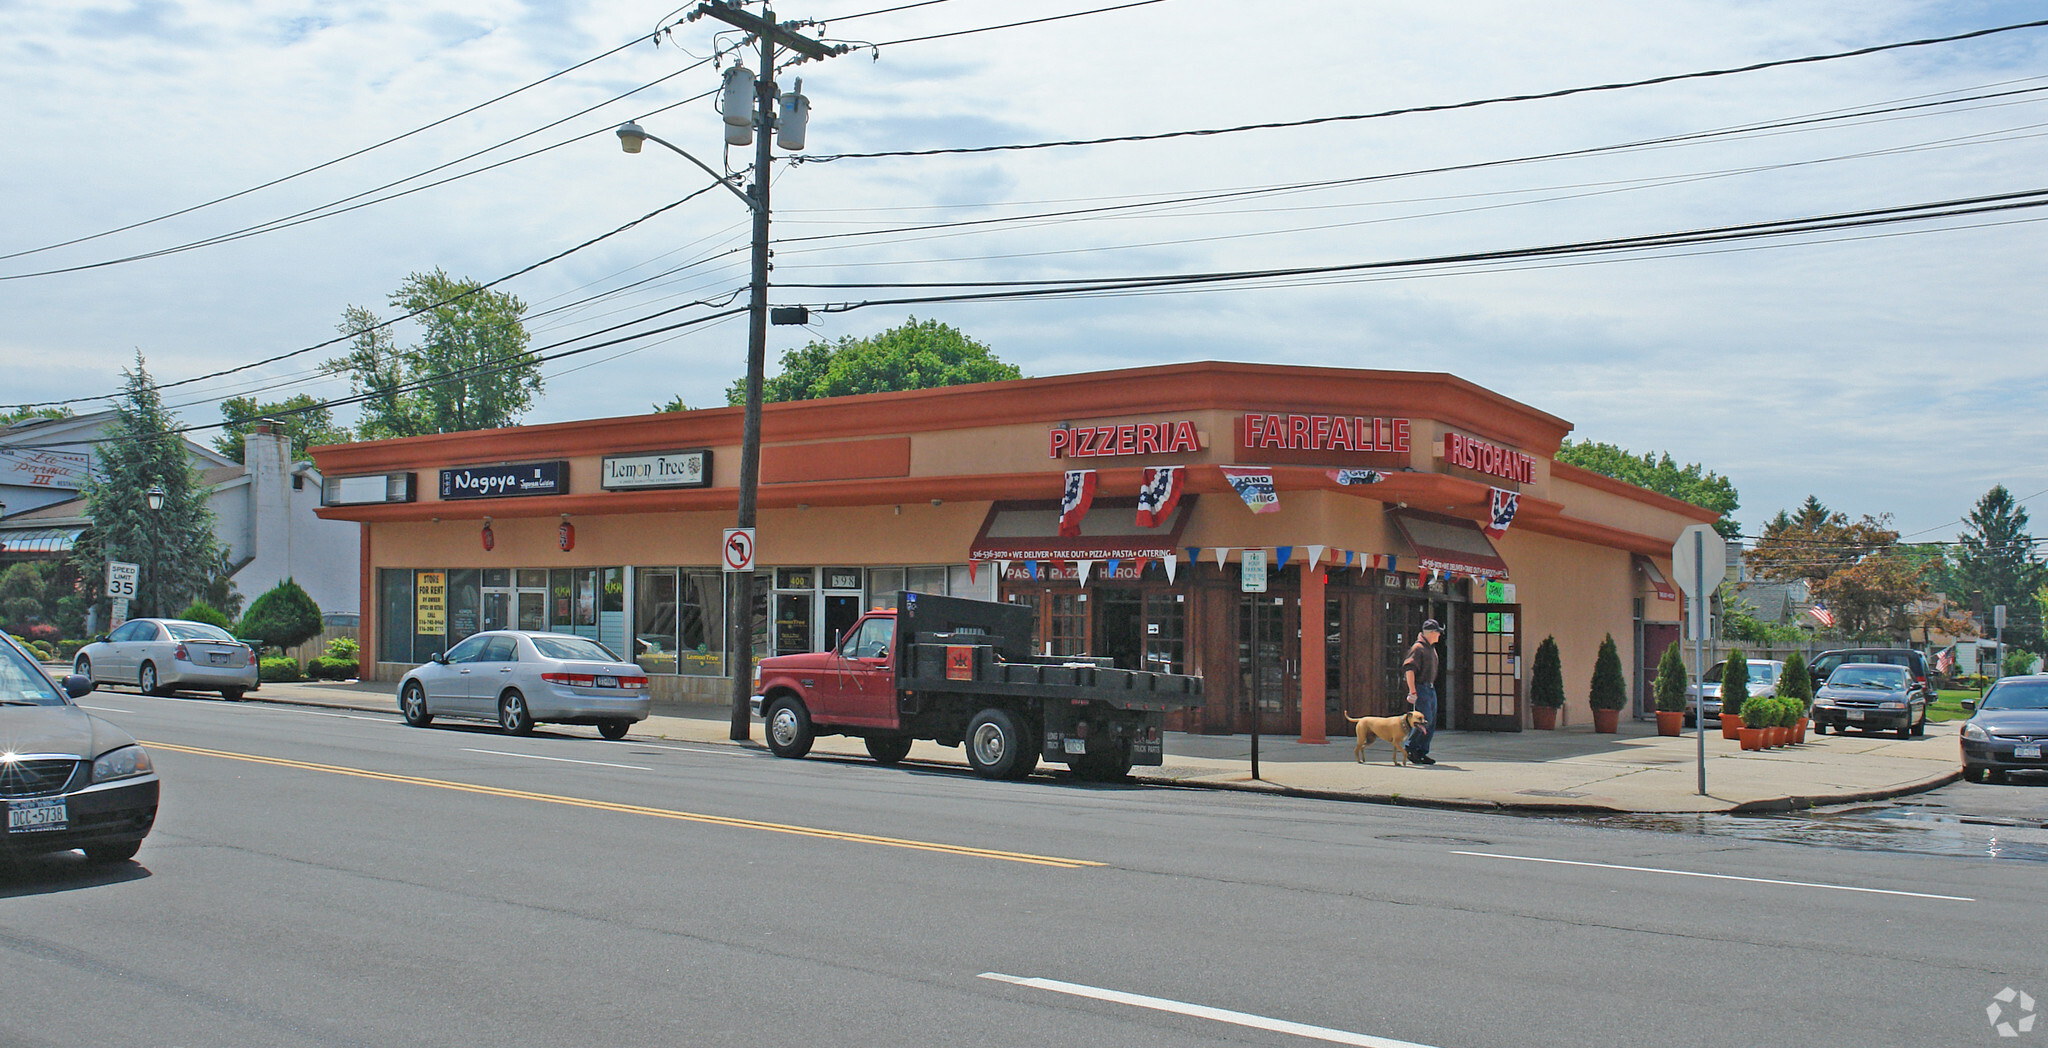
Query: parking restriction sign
x=739, y=549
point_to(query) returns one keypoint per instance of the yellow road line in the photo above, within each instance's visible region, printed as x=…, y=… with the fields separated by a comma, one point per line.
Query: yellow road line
x=636, y=809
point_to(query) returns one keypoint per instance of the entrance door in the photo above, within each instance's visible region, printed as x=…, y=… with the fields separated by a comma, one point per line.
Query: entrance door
x=497, y=609
x=1657, y=636
x=1269, y=663
x=1496, y=691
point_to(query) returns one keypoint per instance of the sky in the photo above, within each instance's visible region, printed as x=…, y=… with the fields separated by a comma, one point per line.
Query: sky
x=1884, y=369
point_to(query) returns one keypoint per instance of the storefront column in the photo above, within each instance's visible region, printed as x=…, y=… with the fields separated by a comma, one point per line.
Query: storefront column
x=1313, y=672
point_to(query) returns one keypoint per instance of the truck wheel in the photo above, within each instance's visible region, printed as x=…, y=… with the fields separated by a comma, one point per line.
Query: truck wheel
x=888, y=749
x=789, y=728
x=996, y=748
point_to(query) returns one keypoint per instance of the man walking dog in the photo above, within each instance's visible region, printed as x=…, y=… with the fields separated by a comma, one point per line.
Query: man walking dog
x=1420, y=669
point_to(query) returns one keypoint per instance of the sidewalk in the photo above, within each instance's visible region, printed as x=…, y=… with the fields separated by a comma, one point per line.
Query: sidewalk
x=1569, y=770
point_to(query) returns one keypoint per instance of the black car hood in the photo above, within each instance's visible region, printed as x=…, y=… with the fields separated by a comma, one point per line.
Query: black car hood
x=58, y=729
x=2012, y=722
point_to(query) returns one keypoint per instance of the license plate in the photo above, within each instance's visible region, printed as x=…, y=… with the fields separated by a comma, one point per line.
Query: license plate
x=218, y=658
x=607, y=682
x=1077, y=746
x=2027, y=751
x=41, y=813
x=1855, y=714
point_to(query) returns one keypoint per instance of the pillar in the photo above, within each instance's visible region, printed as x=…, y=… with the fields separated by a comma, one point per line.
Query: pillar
x=1313, y=670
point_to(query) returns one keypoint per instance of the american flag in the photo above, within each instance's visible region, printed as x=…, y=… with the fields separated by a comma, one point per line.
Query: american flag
x=1821, y=614
x=1074, y=503
x=1159, y=496
x=1946, y=661
x=1503, y=512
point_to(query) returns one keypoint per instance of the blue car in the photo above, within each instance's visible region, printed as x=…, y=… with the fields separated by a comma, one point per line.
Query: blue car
x=2006, y=729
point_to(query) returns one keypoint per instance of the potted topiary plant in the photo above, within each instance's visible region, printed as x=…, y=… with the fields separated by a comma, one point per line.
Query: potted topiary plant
x=1670, y=690
x=1734, y=692
x=1608, y=692
x=1797, y=685
x=1546, y=685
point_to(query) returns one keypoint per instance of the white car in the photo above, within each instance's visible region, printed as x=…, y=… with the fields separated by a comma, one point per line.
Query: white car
x=161, y=656
x=1764, y=675
x=519, y=679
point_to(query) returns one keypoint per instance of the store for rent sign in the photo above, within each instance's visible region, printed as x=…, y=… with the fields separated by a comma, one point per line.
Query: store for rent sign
x=1489, y=458
x=430, y=602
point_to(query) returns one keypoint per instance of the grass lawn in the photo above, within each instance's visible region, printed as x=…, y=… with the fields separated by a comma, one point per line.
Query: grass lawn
x=1949, y=705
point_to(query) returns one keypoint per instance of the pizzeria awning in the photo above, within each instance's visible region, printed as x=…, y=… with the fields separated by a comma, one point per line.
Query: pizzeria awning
x=38, y=542
x=1656, y=578
x=1450, y=544
x=1031, y=531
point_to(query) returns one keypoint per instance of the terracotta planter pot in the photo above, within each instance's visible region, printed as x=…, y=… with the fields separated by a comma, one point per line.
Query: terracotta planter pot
x=1799, y=732
x=1607, y=722
x=1731, y=723
x=1775, y=736
x=1670, y=722
x=1752, y=738
x=1545, y=717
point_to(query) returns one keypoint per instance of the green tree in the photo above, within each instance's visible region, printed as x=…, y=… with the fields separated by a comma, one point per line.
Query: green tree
x=1671, y=681
x=305, y=420
x=1734, y=683
x=1546, y=677
x=470, y=369
x=283, y=617
x=24, y=413
x=918, y=355
x=200, y=611
x=1797, y=681
x=675, y=403
x=1609, y=688
x=1660, y=473
x=174, y=545
x=25, y=597
x=1995, y=565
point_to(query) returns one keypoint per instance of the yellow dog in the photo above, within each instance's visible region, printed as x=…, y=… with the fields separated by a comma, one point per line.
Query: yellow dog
x=1393, y=729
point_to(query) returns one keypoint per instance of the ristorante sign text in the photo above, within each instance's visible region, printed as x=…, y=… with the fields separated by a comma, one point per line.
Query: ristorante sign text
x=1489, y=458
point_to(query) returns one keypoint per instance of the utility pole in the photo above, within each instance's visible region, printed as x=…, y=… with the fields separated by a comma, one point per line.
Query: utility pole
x=740, y=617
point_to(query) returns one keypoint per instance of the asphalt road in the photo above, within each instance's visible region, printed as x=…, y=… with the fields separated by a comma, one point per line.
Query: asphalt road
x=318, y=878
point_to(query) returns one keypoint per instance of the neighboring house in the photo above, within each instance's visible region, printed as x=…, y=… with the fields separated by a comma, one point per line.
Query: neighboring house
x=263, y=510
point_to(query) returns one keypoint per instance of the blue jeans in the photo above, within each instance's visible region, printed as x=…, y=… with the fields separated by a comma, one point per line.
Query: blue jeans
x=1425, y=701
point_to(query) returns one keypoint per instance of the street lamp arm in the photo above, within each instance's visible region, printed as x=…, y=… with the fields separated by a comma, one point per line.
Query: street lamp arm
x=631, y=133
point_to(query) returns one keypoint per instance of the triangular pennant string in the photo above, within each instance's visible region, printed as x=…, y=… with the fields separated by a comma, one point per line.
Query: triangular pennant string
x=1222, y=554
x=1170, y=563
x=1315, y=553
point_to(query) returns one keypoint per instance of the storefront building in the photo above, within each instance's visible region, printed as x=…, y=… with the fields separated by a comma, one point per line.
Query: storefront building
x=1122, y=505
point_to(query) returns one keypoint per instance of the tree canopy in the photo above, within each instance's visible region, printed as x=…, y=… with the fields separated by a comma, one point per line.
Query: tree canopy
x=1995, y=564
x=470, y=369
x=1853, y=568
x=305, y=420
x=24, y=413
x=917, y=355
x=1660, y=473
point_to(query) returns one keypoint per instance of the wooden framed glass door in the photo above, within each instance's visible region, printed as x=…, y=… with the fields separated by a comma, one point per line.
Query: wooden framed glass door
x=1269, y=663
x=1493, y=701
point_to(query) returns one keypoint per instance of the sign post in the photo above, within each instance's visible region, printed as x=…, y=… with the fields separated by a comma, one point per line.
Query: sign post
x=1698, y=555
x=1251, y=578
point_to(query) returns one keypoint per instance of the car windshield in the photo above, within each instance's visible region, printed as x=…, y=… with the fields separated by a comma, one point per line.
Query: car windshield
x=22, y=682
x=1763, y=673
x=573, y=649
x=198, y=631
x=1714, y=674
x=1888, y=677
x=2017, y=695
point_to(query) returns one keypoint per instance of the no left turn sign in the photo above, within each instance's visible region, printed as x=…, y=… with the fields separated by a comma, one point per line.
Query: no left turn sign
x=739, y=549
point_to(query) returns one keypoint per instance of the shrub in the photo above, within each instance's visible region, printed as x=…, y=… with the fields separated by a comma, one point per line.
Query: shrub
x=200, y=611
x=279, y=668
x=1609, y=689
x=1973, y=680
x=1735, y=684
x=1546, y=684
x=344, y=648
x=1670, y=686
x=67, y=648
x=328, y=667
x=44, y=632
x=2018, y=661
x=285, y=617
x=1797, y=683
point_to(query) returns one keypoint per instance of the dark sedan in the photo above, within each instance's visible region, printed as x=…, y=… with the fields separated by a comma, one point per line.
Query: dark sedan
x=2007, y=730
x=67, y=778
x=1870, y=696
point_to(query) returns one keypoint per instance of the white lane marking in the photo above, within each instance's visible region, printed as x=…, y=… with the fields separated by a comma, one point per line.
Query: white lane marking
x=102, y=709
x=1221, y=1015
x=564, y=760
x=1718, y=876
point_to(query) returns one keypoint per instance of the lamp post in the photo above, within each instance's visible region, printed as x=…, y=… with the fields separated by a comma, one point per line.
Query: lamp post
x=155, y=499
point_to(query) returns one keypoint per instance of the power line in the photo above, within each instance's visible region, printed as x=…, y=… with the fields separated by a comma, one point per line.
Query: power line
x=330, y=163
x=1438, y=108
x=1008, y=25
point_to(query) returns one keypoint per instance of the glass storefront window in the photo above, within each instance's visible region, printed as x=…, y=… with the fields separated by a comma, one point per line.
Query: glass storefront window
x=700, y=619
x=927, y=580
x=533, y=578
x=655, y=646
x=560, y=600
x=465, y=603
x=498, y=578
x=1165, y=625
x=394, y=615
x=883, y=585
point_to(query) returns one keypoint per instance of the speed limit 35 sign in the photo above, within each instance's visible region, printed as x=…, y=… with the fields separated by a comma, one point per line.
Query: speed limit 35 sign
x=121, y=578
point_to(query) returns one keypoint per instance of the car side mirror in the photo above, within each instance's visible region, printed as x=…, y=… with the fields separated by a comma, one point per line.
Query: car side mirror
x=440, y=657
x=1969, y=705
x=78, y=685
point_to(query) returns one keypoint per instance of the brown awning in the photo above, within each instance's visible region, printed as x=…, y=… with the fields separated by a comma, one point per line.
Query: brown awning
x=1031, y=531
x=1657, y=581
x=1450, y=544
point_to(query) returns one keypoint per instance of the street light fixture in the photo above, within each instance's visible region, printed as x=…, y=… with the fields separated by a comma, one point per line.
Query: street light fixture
x=155, y=498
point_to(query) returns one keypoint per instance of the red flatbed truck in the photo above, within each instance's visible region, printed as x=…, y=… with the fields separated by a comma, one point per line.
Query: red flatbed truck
x=958, y=671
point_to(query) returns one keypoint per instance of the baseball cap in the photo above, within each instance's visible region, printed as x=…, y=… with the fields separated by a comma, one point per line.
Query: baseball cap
x=1432, y=626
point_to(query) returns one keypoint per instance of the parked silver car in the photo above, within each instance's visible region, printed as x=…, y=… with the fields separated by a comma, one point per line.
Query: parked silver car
x=161, y=656
x=519, y=678
x=1764, y=675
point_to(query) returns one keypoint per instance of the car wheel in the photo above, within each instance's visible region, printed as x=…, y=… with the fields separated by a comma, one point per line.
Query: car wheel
x=412, y=705
x=147, y=681
x=1996, y=776
x=613, y=728
x=83, y=667
x=1819, y=728
x=513, y=715
x=1920, y=726
x=1904, y=731
x=233, y=694
x=888, y=749
x=789, y=728
x=118, y=852
x=996, y=748
x=1971, y=773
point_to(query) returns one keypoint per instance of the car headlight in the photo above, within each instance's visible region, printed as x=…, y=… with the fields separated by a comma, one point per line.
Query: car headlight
x=1976, y=733
x=1823, y=701
x=124, y=763
x=1894, y=705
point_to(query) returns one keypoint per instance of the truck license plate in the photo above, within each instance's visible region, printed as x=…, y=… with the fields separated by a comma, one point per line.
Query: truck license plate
x=1855, y=714
x=1077, y=746
x=40, y=813
x=2027, y=751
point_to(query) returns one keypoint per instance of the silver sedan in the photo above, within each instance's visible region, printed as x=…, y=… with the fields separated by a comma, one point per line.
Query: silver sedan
x=161, y=656
x=519, y=679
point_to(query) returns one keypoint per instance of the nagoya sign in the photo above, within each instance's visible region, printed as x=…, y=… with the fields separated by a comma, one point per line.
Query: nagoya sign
x=658, y=469
x=497, y=482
